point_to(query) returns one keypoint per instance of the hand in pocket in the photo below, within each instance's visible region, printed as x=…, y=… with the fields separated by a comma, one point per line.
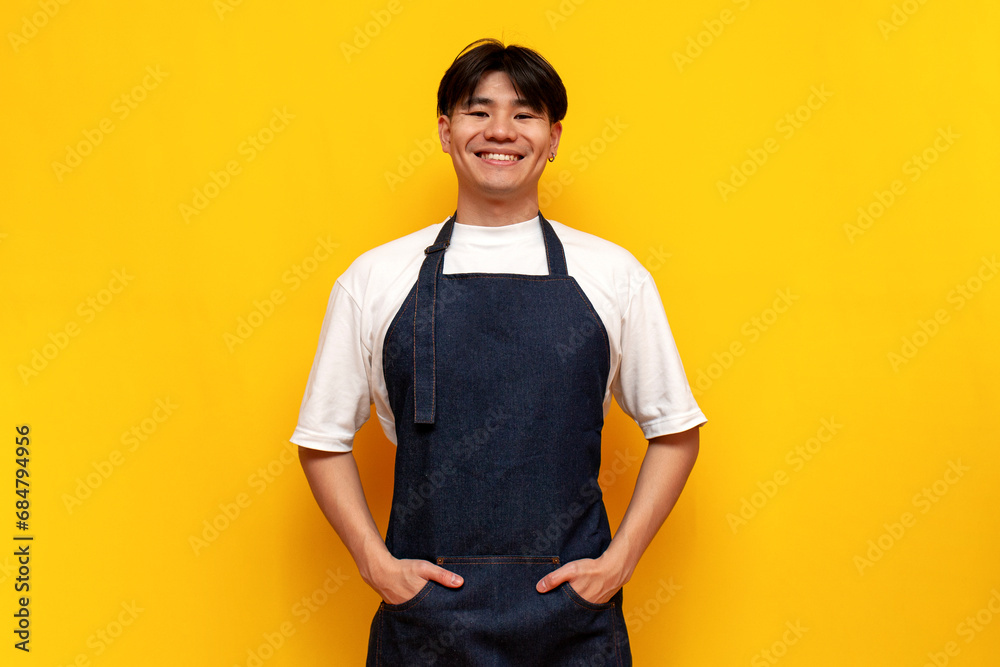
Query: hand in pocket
x=401, y=579
x=588, y=578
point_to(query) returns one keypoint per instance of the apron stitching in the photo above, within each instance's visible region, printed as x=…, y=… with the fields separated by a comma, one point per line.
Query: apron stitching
x=378, y=639
x=437, y=272
x=548, y=256
x=416, y=302
x=421, y=594
x=614, y=624
x=541, y=278
x=592, y=313
x=500, y=276
x=396, y=323
x=493, y=562
x=577, y=602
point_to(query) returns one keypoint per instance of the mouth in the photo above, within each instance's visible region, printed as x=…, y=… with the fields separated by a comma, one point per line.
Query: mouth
x=494, y=157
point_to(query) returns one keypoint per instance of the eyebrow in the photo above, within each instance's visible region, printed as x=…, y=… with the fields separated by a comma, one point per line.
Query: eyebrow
x=487, y=101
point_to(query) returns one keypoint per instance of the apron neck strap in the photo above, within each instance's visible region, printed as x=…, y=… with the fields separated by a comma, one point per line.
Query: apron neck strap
x=554, y=255
x=424, y=376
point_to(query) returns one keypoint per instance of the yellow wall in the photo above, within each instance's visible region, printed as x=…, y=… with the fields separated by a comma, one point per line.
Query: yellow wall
x=847, y=482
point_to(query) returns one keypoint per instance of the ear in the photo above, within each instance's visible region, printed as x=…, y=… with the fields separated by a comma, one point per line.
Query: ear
x=444, y=132
x=555, y=132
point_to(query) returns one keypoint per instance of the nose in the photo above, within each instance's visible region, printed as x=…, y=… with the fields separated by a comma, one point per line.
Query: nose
x=500, y=128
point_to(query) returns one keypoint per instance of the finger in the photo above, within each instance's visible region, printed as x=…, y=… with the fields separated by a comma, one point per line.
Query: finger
x=444, y=577
x=553, y=579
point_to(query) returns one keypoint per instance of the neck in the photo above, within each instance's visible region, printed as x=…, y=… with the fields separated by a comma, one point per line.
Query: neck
x=496, y=212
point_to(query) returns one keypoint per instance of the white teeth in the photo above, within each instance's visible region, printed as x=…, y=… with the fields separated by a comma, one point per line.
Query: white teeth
x=499, y=156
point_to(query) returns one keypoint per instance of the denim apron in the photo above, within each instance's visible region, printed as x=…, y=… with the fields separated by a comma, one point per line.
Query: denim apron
x=497, y=383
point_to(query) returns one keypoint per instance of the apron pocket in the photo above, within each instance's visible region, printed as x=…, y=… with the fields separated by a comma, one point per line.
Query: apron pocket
x=497, y=618
x=407, y=604
x=580, y=600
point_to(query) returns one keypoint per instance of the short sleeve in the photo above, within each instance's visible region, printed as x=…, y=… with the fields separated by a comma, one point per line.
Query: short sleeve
x=650, y=385
x=337, y=400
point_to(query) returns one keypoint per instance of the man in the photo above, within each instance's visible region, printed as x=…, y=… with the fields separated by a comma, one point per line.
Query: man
x=491, y=345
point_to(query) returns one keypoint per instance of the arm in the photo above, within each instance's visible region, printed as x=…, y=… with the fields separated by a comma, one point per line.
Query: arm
x=336, y=485
x=662, y=476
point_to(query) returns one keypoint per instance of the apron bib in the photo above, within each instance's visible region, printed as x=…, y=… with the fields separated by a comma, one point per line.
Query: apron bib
x=497, y=383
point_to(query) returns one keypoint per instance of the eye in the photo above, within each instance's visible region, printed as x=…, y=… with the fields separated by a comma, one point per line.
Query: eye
x=477, y=113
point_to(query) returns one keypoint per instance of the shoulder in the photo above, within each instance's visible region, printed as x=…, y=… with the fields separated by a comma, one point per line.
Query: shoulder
x=587, y=247
x=386, y=263
x=608, y=273
x=602, y=266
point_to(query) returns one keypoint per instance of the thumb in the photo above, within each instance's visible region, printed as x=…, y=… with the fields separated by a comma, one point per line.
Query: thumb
x=444, y=577
x=552, y=579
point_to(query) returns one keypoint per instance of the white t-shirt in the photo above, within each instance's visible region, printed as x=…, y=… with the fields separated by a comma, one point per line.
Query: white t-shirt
x=646, y=376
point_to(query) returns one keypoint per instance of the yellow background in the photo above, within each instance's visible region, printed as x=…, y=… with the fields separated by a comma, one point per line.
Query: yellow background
x=710, y=590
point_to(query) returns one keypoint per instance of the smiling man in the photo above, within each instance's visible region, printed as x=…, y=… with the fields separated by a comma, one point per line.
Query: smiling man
x=491, y=345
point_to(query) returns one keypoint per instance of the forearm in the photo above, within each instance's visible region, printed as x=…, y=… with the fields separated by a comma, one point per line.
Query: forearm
x=336, y=485
x=662, y=476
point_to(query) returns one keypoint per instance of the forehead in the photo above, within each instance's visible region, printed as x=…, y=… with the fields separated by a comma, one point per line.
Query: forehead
x=495, y=88
x=495, y=81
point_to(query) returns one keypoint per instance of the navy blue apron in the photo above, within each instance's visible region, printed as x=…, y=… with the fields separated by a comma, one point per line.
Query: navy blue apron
x=497, y=383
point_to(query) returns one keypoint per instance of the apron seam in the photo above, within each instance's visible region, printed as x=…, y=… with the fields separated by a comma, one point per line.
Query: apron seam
x=438, y=270
x=614, y=624
x=378, y=639
x=475, y=560
x=504, y=276
x=396, y=323
x=596, y=317
x=566, y=590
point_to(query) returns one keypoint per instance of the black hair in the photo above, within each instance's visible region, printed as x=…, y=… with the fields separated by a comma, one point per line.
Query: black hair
x=534, y=79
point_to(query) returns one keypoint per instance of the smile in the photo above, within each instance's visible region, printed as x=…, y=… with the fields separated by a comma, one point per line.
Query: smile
x=502, y=157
